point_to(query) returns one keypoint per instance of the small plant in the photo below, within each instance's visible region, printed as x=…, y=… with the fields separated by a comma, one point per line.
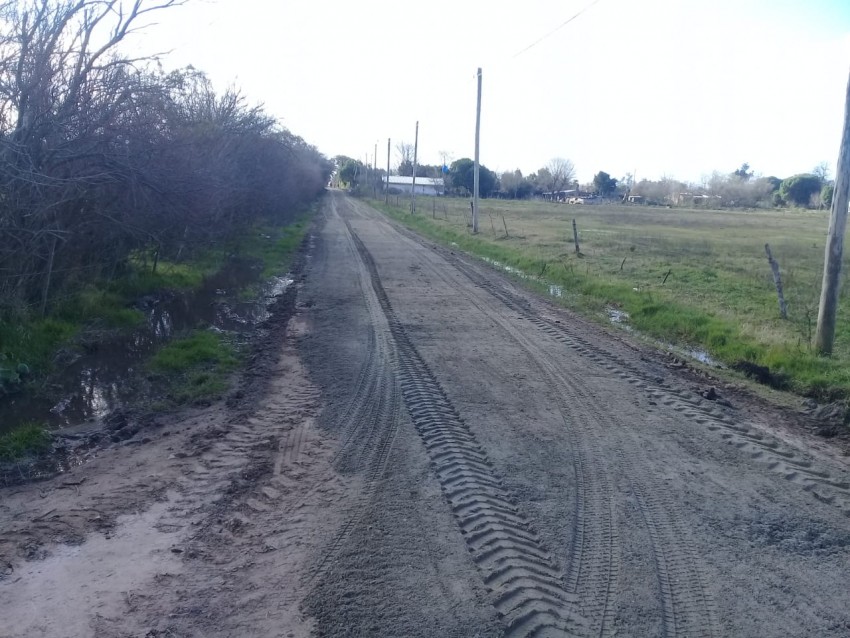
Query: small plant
x=29, y=439
x=196, y=366
x=201, y=348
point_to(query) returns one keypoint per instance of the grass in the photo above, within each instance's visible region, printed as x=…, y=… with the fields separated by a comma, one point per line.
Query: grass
x=196, y=365
x=142, y=280
x=718, y=296
x=32, y=344
x=29, y=439
x=192, y=368
x=274, y=246
x=34, y=341
x=93, y=303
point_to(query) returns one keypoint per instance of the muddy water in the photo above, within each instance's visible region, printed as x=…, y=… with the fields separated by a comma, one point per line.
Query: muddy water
x=102, y=374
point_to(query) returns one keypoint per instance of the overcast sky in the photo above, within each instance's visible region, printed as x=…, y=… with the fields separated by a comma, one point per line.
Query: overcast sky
x=661, y=87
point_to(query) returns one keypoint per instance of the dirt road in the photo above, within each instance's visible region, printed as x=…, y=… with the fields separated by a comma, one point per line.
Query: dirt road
x=422, y=449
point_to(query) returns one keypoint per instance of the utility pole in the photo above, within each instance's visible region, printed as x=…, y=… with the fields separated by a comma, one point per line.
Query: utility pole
x=375, y=172
x=415, y=150
x=825, y=335
x=387, y=198
x=475, y=172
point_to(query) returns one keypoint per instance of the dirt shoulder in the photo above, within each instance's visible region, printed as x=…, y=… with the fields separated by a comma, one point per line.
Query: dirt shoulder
x=170, y=531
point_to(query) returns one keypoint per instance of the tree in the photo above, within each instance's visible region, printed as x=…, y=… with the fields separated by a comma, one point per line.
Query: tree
x=542, y=181
x=661, y=191
x=821, y=171
x=799, y=189
x=773, y=182
x=603, y=184
x=562, y=173
x=826, y=194
x=103, y=156
x=514, y=185
x=405, y=158
x=352, y=172
x=744, y=173
x=461, y=173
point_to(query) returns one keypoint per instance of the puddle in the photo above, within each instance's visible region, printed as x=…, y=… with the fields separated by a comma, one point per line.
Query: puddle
x=509, y=269
x=94, y=379
x=620, y=318
x=703, y=357
x=62, y=590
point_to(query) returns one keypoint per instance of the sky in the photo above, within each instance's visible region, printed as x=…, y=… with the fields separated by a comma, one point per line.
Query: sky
x=675, y=88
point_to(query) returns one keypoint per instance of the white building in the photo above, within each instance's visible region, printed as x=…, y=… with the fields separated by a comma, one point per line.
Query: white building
x=424, y=185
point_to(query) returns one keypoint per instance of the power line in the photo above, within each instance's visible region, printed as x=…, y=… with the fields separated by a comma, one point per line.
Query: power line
x=555, y=30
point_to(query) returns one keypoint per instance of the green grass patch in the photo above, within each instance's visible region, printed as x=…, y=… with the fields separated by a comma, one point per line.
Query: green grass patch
x=274, y=246
x=29, y=439
x=200, y=348
x=196, y=366
x=198, y=385
x=141, y=279
x=718, y=293
x=93, y=303
x=32, y=344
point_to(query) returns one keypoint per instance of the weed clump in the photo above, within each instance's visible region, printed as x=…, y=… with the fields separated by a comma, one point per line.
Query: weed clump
x=198, y=365
x=29, y=439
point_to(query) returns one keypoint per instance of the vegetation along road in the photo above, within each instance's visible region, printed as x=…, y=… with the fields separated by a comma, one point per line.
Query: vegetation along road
x=421, y=447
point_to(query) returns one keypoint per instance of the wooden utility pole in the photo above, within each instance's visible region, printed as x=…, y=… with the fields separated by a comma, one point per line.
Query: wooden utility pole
x=375, y=172
x=834, y=250
x=413, y=189
x=387, y=197
x=475, y=170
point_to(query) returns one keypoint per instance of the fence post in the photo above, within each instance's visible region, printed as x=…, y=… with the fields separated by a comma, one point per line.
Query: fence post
x=777, y=280
x=575, y=236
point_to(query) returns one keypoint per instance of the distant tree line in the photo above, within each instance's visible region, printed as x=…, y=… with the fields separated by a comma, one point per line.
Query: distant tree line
x=102, y=155
x=741, y=189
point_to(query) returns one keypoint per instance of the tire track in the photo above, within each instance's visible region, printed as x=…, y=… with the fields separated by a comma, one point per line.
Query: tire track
x=688, y=608
x=594, y=556
x=525, y=583
x=370, y=421
x=362, y=391
x=762, y=449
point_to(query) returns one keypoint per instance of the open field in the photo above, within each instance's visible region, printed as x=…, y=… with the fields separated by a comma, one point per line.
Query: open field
x=719, y=295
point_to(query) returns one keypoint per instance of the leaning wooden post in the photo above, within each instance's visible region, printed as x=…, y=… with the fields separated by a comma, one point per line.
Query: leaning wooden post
x=575, y=236
x=777, y=280
x=46, y=289
x=834, y=250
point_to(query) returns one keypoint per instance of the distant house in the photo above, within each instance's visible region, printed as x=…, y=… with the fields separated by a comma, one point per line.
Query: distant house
x=424, y=185
x=561, y=196
x=689, y=199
